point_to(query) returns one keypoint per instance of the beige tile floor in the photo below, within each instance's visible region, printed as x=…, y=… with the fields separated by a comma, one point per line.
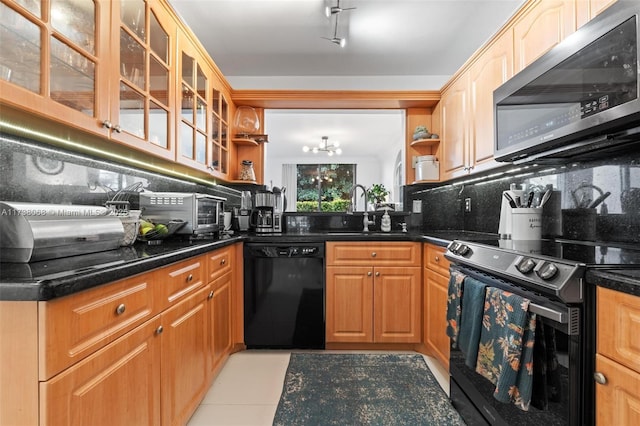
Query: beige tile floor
x=248, y=388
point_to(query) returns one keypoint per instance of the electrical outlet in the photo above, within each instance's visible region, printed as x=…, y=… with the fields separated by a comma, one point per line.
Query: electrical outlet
x=467, y=205
x=417, y=206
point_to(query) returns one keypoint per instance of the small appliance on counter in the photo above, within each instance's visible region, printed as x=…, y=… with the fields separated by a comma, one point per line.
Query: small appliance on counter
x=261, y=220
x=242, y=215
x=31, y=232
x=201, y=212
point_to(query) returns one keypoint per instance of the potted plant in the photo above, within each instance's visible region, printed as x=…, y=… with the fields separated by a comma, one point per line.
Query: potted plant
x=377, y=195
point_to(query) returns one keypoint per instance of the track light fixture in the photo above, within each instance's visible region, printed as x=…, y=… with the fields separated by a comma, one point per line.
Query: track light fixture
x=324, y=146
x=334, y=10
x=331, y=11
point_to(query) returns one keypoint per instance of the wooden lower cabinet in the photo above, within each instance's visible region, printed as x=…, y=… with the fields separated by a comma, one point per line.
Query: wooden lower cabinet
x=117, y=385
x=373, y=304
x=618, y=358
x=220, y=299
x=184, y=357
x=436, y=288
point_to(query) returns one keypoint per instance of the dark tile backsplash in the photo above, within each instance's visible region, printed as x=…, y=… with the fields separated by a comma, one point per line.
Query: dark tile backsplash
x=32, y=172
x=616, y=219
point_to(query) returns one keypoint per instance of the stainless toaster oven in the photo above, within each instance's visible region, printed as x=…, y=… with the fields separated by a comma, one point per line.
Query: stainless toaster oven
x=202, y=212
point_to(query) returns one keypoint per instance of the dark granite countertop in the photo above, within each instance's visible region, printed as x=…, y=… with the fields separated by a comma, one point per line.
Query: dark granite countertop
x=625, y=280
x=49, y=279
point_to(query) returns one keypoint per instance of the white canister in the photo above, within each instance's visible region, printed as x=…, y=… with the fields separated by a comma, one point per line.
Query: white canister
x=427, y=168
x=526, y=223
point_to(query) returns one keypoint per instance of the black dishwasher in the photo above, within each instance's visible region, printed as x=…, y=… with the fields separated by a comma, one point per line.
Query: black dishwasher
x=284, y=296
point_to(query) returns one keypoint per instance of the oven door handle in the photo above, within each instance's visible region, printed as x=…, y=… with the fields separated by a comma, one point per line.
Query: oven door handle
x=550, y=313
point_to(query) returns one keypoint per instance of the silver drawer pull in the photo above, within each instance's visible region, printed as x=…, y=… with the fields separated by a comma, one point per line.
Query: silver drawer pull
x=374, y=254
x=223, y=261
x=599, y=378
x=377, y=274
x=120, y=309
x=190, y=278
x=159, y=330
x=369, y=273
x=437, y=258
x=211, y=294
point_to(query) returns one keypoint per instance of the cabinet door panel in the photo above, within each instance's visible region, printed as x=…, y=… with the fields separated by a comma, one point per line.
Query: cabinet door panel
x=617, y=401
x=349, y=307
x=542, y=28
x=220, y=320
x=435, y=316
x=619, y=327
x=180, y=279
x=118, y=385
x=455, y=161
x=397, y=303
x=184, y=358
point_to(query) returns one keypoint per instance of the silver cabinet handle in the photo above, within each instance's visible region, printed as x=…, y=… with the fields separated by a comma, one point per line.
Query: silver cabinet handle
x=369, y=273
x=120, y=309
x=117, y=128
x=107, y=124
x=159, y=330
x=377, y=274
x=437, y=258
x=374, y=254
x=211, y=294
x=190, y=278
x=223, y=261
x=599, y=378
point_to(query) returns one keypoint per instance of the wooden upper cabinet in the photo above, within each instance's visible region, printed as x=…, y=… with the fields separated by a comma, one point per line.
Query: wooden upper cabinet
x=55, y=59
x=143, y=35
x=541, y=28
x=455, y=134
x=491, y=70
x=586, y=10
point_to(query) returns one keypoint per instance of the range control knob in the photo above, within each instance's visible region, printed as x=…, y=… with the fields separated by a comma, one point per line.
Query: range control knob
x=526, y=265
x=453, y=247
x=462, y=249
x=547, y=270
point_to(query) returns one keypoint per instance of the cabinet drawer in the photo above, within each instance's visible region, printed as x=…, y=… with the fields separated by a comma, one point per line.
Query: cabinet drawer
x=619, y=327
x=180, y=279
x=434, y=259
x=75, y=326
x=219, y=262
x=372, y=254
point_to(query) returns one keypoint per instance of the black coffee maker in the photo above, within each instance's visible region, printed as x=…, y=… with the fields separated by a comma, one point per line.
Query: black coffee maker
x=261, y=220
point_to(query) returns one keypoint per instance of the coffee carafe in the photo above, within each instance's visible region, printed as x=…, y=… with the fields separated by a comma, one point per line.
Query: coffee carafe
x=262, y=215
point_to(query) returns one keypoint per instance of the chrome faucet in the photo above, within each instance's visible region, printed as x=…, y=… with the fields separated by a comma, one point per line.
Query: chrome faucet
x=352, y=202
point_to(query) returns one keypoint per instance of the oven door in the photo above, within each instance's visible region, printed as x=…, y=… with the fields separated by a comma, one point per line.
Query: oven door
x=207, y=214
x=557, y=402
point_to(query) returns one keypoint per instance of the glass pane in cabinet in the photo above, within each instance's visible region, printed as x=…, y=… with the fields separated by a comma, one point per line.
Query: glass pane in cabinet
x=20, y=60
x=132, y=59
x=187, y=103
x=187, y=69
x=216, y=101
x=223, y=135
x=158, y=39
x=158, y=125
x=215, y=127
x=132, y=14
x=131, y=111
x=201, y=114
x=224, y=109
x=76, y=21
x=72, y=78
x=215, y=157
x=186, y=140
x=201, y=148
x=224, y=160
x=201, y=82
x=159, y=81
x=32, y=6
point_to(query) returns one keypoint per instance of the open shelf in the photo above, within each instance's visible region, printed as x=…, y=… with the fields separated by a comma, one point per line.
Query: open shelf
x=244, y=141
x=425, y=142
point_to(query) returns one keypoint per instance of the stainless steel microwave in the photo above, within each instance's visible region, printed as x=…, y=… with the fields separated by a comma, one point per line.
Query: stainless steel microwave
x=201, y=211
x=578, y=99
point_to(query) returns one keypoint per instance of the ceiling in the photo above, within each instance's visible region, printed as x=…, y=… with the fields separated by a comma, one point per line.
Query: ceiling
x=391, y=45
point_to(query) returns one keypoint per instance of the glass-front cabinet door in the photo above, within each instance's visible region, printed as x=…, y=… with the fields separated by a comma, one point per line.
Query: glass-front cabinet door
x=142, y=113
x=194, y=100
x=220, y=133
x=54, y=60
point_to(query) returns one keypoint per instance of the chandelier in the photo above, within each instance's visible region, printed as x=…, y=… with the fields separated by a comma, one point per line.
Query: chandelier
x=325, y=146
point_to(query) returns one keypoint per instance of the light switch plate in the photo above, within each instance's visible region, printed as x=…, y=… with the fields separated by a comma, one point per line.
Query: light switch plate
x=417, y=206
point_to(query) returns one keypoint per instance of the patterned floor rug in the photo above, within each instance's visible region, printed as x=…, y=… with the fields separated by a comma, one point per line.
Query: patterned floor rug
x=362, y=389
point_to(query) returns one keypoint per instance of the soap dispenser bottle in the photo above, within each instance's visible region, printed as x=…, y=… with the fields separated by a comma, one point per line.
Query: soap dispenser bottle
x=385, y=224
